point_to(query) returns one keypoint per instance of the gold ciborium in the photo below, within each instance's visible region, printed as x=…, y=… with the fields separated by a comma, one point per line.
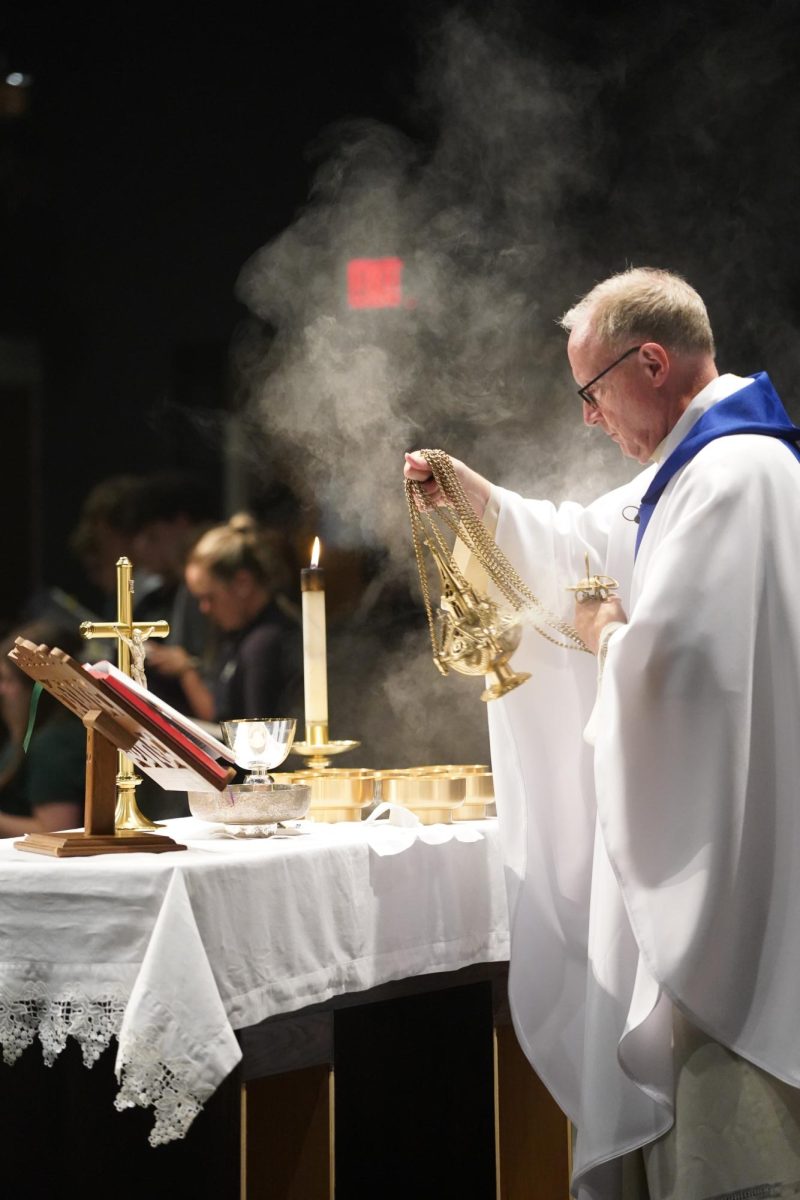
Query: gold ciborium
x=337, y=794
x=432, y=797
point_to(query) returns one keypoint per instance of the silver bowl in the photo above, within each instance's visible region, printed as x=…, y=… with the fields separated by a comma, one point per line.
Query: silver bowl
x=251, y=804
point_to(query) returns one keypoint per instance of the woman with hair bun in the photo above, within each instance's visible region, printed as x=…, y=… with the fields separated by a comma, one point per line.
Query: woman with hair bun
x=238, y=574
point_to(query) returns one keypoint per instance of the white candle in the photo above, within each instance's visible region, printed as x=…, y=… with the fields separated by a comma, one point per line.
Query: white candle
x=315, y=670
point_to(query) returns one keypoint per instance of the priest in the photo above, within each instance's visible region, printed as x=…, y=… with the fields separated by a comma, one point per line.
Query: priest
x=649, y=796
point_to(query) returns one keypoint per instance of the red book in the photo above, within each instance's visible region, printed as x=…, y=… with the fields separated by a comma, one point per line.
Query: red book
x=174, y=751
x=194, y=746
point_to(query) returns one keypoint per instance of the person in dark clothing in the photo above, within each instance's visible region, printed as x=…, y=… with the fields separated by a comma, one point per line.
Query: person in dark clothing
x=152, y=520
x=237, y=573
x=166, y=517
x=41, y=787
x=103, y=535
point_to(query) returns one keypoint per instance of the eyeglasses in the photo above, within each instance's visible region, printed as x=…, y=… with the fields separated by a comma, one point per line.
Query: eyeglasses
x=583, y=392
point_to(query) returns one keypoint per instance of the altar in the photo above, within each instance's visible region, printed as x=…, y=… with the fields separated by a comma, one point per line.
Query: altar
x=219, y=966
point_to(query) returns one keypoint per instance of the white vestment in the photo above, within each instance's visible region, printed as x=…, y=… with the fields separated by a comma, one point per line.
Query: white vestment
x=661, y=867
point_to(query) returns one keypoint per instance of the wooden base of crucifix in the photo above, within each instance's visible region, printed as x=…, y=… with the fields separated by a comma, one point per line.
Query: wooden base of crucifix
x=105, y=735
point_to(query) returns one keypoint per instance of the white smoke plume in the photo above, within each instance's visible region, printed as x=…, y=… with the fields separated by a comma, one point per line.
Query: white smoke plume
x=524, y=189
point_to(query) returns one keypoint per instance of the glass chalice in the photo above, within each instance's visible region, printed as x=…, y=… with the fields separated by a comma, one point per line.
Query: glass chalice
x=259, y=746
x=258, y=807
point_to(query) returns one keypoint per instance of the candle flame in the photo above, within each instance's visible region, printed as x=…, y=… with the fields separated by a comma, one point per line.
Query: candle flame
x=315, y=553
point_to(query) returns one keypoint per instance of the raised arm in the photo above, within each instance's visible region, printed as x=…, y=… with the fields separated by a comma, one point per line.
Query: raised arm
x=476, y=487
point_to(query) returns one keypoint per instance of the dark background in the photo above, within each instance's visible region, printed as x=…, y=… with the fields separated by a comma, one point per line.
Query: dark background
x=152, y=153
x=181, y=190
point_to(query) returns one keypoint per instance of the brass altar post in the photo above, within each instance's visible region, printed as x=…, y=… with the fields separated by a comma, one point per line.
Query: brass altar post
x=127, y=816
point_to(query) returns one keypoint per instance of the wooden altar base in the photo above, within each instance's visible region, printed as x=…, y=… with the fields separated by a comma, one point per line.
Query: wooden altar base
x=416, y=1088
x=79, y=844
x=413, y=1090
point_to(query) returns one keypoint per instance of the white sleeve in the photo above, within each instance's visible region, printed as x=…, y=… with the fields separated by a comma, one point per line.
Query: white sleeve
x=590, y=732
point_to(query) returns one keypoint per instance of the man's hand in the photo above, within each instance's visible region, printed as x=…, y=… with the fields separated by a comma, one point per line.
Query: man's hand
x=476, y=487
x=592, y=616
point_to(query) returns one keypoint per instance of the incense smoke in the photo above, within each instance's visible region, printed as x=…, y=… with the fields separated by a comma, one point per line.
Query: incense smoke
x=522, y=194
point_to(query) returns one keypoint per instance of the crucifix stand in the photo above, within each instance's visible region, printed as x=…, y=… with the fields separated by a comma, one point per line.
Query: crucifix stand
x=124, y=630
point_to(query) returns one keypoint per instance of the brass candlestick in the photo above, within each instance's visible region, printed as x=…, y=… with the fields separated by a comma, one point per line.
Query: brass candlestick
x=318, y=748
x=128, y=633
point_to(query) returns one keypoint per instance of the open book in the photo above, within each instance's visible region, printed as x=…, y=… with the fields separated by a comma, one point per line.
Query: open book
x=172, y=749
x=181, y=732
x=150, y=703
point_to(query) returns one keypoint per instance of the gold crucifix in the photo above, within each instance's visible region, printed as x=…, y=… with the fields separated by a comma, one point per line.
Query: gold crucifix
x=129, y=635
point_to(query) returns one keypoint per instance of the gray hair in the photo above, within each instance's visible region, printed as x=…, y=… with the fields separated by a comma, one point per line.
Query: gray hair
x=644, y=304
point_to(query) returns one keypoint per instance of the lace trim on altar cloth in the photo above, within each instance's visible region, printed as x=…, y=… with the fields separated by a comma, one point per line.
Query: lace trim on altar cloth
x=91, y=1020
x=147, y=1081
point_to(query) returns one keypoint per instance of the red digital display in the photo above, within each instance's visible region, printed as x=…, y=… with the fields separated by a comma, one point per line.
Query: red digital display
x=375, y=282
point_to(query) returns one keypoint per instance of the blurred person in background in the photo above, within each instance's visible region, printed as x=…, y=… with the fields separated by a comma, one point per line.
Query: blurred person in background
x=239, y=576
x=41, y=790
x=104, y=534
x=167, y=514
x=153, y=521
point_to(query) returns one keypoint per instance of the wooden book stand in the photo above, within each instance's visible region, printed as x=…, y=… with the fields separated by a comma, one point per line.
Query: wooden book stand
x=113, y=724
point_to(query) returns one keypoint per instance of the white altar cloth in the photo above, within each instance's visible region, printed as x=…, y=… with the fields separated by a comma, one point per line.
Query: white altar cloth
x=171, y=953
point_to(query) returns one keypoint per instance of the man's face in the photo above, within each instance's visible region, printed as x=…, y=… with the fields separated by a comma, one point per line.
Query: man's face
x=628, y=404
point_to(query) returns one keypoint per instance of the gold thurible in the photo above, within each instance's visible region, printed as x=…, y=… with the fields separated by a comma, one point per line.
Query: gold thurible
x=472, y=636
x=470, y=632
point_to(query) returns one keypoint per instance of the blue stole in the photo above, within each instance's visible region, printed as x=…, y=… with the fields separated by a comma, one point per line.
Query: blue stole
x=755, y=408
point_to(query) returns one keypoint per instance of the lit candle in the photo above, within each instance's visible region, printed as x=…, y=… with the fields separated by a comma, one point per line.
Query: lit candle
x=315, y=671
